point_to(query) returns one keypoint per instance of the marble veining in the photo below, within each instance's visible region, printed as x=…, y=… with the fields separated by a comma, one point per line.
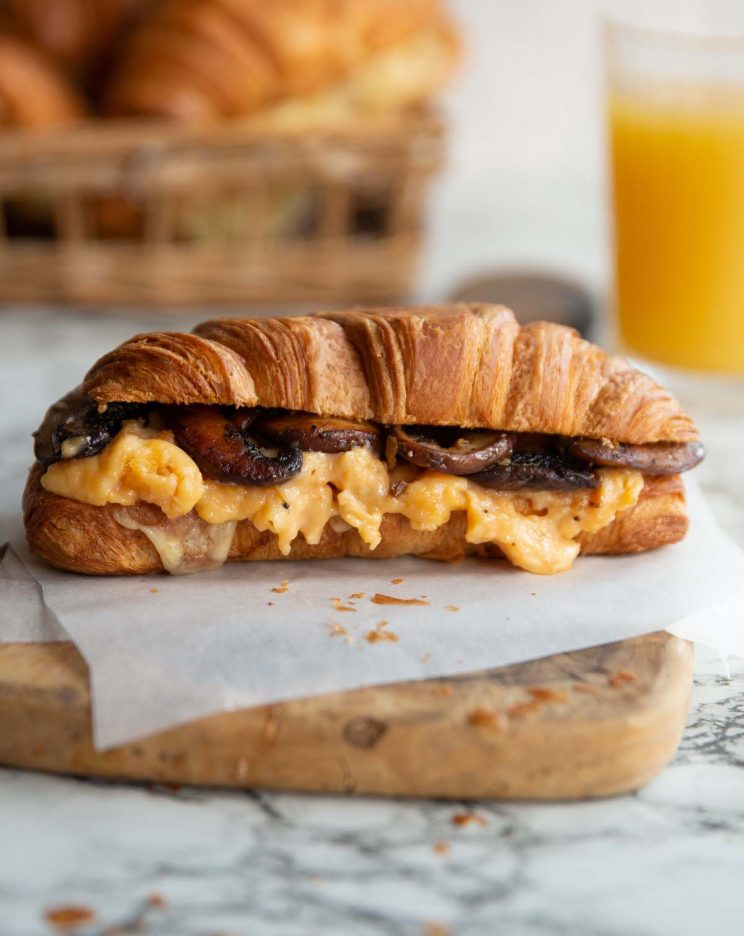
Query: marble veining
x=164, y=862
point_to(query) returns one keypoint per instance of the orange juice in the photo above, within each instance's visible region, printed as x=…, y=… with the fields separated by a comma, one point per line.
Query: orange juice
x=678, y=165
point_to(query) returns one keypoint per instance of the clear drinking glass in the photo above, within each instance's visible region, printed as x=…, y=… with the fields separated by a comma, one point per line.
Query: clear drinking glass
x=676, y=139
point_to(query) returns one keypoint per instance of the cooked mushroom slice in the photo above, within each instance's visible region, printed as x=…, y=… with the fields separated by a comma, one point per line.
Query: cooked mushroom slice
x=311, y=433
x=657, y=458
x=532, y=471
x=220, y=445
x=455, y=451
x=74, y=428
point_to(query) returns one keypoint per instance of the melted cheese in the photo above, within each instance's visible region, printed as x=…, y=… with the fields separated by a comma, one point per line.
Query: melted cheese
x=537, y=531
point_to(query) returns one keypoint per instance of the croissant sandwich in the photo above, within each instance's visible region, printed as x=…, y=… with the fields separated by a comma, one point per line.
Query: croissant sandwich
x=441, y=432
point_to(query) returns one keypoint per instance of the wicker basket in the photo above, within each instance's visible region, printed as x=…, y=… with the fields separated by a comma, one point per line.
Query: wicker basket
x=131, y=214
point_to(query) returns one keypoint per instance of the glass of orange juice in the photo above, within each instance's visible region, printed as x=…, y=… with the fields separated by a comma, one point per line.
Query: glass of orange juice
x=676, y=132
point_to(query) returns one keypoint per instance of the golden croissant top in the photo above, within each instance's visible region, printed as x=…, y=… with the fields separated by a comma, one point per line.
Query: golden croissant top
x=466, y=365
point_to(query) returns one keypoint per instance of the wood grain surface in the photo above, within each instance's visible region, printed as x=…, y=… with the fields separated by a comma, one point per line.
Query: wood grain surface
x=592, y=723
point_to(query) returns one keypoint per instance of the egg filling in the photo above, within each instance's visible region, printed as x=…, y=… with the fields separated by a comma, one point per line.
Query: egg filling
x=536, y=530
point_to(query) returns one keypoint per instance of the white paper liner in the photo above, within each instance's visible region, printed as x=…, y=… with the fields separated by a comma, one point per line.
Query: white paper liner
x=163, y=650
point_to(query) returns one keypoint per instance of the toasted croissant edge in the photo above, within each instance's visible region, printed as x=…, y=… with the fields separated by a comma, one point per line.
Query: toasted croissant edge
x=78, y=537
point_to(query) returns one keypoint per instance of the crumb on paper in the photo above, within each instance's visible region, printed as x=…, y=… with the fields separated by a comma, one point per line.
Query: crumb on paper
x=153, y=590
x=468, y=818
x=338, y=630
x=486, y=717
x=282, y=587
x=397, y=581
x=425, y=658
x=585, y=688
x=548, y=695
x=70, y=917
x=432, y=928
x=520, y=709
x=379, y=599
x=356, y=595
x=621, y=678
x=339, y=605
x=452, y=607
x=380, y=633
x=442, y=848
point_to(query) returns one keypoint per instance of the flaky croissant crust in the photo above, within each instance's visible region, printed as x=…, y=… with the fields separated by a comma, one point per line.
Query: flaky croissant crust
x=471, y=366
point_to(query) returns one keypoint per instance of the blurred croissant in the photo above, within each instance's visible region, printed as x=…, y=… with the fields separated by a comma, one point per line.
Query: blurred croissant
x=33, y=92
x=76, y=34
x=298, y=61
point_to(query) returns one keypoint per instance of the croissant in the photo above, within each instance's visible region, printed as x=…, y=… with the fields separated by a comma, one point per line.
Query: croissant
x=437, y=431
x=33, y=93
x=76, y=34
x=303, y=60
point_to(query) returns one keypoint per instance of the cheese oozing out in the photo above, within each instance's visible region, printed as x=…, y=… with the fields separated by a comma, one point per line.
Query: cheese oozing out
x=536, y=530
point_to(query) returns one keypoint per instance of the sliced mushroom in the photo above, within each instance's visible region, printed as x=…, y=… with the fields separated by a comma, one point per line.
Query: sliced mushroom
x=220, y=445
x=455, y=451
x=311, y=433
x=657, y=458
x=74, y=428
x=533, y=471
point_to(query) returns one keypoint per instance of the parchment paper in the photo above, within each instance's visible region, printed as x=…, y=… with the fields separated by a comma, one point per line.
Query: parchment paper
x=166, y=650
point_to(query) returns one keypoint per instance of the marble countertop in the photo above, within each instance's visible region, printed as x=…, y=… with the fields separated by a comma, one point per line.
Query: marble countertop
x=160, y=861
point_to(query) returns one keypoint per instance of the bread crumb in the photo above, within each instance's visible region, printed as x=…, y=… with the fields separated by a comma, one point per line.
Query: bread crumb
x=68, y=918
x=397, y=581
x=338, y=630
x=340, y=606
x=468, y=818
x=153, y=591
x=157, y=901
x=586, y=688
x=282, y=587
x=379, y=633
x=621, y=677
x=356, y=595
x=520, y=709
x=486, y=717
x=452, y=608
x=379, y=599
x=431, y=928
x=548, y=695
x=442, y=689
x=442, y=848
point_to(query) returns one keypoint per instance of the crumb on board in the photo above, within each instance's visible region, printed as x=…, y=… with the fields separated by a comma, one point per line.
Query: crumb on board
x=356, y=595
x=282, y=587
x=549, y=695
x=442, y=689
x=486, y=717
x=442, y=848
x=520, y=709
x=585, y=688
x=153, y=590
x=468, y=818
x=338, y=630
x=69, y=917
x=379, y=599
x=157, y=901
x=397, y=581
x=621, y=678
x=380, y=633
x=451, y=607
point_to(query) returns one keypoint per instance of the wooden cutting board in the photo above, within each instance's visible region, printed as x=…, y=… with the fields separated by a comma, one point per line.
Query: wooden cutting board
x=592, y=723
